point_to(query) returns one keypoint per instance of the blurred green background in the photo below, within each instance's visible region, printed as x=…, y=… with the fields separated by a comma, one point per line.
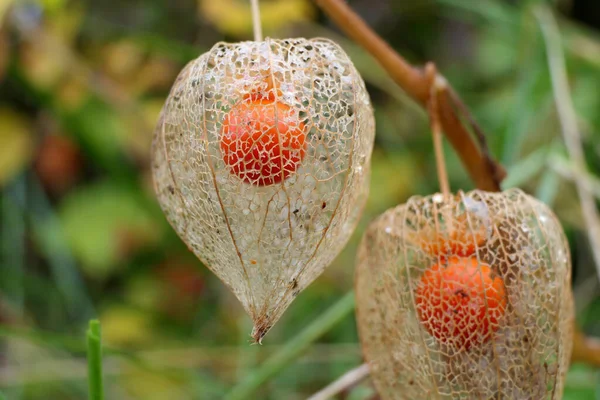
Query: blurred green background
x=82, y=236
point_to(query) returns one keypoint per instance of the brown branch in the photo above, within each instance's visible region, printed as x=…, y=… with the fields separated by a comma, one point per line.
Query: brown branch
x=585, y=349
x=495, y=168
x=484, y=171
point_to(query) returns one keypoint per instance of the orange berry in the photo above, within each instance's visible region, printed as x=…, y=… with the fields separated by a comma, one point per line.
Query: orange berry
x=262, y=140
x=457, y=242
x=461, y=304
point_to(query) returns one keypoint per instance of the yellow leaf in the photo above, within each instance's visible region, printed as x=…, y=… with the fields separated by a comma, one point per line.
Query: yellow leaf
x=63, y=23
x=73, y=91
x=43, y=61
x=53, y=5
x=4, y=4
x=16, y=144
x=398, y=168
x=122, y=326
x=155, y=73
x=234, y=17
x=138, y=128
x=144, y=291
x=122, y=59
x=144, y=384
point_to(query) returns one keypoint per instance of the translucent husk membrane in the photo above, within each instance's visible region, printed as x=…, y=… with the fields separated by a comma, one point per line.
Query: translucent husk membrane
x=266, y=239
x=526, y=353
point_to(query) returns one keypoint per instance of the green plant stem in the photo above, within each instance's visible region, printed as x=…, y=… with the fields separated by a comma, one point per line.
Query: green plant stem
x=94, y=355
x=294, y=348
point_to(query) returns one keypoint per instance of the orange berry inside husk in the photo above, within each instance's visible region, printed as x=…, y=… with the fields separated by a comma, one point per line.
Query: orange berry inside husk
x=461, y=303
x=262, y=140
x=459, y=243
x=456, y=241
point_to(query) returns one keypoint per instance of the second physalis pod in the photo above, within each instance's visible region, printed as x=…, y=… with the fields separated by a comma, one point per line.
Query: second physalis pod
x=261, y=164
x=466, y=297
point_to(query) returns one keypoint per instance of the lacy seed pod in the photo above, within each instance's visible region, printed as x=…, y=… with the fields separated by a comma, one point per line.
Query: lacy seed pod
x=466, y=297
x=261, y=164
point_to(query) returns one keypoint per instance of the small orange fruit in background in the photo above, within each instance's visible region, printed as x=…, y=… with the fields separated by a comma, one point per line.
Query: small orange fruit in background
x=461, y=304
x=262, y=140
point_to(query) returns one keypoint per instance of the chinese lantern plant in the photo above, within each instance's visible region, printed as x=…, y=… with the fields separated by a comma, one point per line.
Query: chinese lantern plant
x=466, y=296
x=261, y=161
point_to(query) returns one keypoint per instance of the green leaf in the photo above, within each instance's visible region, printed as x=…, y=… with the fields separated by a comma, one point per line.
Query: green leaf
x=105, y=223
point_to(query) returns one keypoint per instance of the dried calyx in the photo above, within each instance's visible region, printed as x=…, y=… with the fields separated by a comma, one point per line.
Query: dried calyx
x=466, y=297
x=261, y=164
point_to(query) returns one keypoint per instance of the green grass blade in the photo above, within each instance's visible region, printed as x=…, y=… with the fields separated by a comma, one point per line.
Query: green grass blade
x=524, y=170
x=294, y=348
x=94, y=348
x=548, y=187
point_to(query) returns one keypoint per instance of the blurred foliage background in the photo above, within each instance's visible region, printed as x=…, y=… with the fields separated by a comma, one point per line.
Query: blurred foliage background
x=81, y=86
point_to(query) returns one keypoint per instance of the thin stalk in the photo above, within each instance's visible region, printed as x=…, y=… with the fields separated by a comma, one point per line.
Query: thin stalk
x=94, y=356
x=258, y=36
x=345, y=382
x=436, y=130
x=294, y=348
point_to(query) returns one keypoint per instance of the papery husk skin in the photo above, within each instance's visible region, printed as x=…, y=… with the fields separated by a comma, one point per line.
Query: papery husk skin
x=266, y=243
x=528, y=354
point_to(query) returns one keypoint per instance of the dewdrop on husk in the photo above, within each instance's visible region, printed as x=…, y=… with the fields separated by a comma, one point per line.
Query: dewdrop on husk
x=261, y=163
x=466, y=297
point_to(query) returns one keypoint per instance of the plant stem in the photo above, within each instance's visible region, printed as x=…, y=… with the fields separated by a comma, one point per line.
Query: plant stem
x=258, y=37
x=437, y=86
x=406, y=76
x=439, y=158
x=94, y=355
x=485, y=172
x=346, y=381
x=293, y=348
x=586, y=349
